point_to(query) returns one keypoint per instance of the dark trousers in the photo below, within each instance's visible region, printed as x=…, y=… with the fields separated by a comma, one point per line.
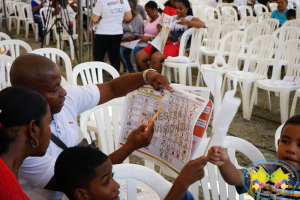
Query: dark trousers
x=110, y=43
x=38, y=20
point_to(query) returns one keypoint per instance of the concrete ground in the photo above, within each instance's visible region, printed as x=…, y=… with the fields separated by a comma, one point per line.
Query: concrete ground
x=259, y=130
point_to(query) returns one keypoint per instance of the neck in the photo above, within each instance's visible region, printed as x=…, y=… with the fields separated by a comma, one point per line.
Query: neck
x=15, y=156
x=281, y=11
x=155, y=17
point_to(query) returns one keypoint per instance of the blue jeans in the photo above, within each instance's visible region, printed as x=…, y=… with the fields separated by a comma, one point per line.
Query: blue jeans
x=188, y=196
x=136, y=49
x=125, y=53
x=38, y=20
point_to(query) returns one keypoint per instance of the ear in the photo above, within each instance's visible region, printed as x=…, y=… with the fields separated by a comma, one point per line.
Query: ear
x=81, y=194
x=32, y=129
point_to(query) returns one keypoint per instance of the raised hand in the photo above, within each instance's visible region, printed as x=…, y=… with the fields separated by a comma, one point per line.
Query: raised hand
x=218, y=156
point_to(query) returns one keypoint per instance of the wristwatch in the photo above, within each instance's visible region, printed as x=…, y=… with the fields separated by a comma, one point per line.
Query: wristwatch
x=145, y=74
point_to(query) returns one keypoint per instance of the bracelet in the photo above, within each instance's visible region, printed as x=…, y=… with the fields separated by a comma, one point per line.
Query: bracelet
x=145, y=74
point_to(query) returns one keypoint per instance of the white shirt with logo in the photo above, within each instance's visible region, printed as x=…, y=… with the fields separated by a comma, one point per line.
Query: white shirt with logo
x=112, y=13
x=36, y=172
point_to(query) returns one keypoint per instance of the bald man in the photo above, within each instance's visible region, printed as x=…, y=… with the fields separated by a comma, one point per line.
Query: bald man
x=36, y=174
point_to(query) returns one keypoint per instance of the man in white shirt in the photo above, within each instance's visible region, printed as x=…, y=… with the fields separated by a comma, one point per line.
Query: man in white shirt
x=36, y=174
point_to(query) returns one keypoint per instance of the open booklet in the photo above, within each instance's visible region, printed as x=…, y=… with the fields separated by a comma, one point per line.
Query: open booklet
x=179, y=126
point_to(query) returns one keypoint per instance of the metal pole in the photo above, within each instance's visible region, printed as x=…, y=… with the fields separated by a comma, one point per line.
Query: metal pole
x=5, y=17
x=80, y=36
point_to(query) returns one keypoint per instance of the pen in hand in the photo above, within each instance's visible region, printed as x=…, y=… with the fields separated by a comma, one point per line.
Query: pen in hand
x=153, y=118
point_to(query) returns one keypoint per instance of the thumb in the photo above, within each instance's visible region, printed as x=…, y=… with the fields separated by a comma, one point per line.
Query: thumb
x=141, y=128
x=203, y=160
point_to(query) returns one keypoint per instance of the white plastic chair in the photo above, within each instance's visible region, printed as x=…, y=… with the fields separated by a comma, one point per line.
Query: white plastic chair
x=294, y=22
x=284, y=91
x=221, y=5
x=4, y=36
x=258, y=8
x=65, y=36
x=14, y=46
x=47, y=24
x=28, y=20
x=106, y=121
x=92, y=72
x=5, y=63
x=255, y=30
x=246, y=21
x=228, y=27
x=227, y=18
x=133, y=173
x=244, y=10
x=273, y=7
x=212, y=36
x=262, y=16
x=210, y=13
x=278, y=134
x=19, y=11
x=228, y=10
x=11, y=16
x=196, y=40
x=232, y=45
x=265, y=47
x=219, y=189
x=283, y=34
x=273, y=23
x=55, y=54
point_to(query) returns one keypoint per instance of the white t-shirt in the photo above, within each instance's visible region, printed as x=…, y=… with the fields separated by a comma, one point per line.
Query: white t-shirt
x=36, y=172
x=112, y=13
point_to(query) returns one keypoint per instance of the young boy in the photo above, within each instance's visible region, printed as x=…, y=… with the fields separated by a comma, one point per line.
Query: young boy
x=291, y=14
x=288, y=151
x=86, y=173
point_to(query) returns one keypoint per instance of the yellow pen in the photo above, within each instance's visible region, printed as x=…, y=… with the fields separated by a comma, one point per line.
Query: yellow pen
x=153, y=118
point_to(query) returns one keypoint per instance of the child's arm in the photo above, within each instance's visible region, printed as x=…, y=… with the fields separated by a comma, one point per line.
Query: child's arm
x=218, y=156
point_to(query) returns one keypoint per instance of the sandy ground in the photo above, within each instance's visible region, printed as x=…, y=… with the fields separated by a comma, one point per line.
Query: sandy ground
x=259, y=130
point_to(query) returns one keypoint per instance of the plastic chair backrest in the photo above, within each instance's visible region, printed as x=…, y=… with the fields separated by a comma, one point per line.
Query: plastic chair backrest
x=273, y=23
x=294, y=22
x=286, y=33
x=108, y=118
x=10, y=7
x=226, y=18
x=197, y=35
x=53, y=54
x=199, y=11
x=47, y=13
x=277, y=135
x=212, y=34
x=255, y=30
x=234, y=43
x=132, y=173
x=65, y=21
x=228, y=10
x=263, y=47
x=232, y=144
x=221, y=5
x=262, y=16
x=246, y=21
x=14, y=47
x=5, y=64
x=273, y=6
x=229, y=27
x=258, y=8
x=4, y=36
x=293, y=57
x=19, y=10
x=243, y=11
x=28, y=10
x=210, y=13
x=92, y=72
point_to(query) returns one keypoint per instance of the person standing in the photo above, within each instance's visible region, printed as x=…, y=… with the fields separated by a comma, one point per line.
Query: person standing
x=109, y=14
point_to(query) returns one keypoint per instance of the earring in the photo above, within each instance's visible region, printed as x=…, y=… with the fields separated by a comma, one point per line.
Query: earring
x=37, y=143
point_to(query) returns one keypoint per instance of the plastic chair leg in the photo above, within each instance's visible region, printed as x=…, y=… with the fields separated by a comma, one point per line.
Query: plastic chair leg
x=71, y=47
x=223, y=85
x=18, y=27
x=190, y=75
x=269, y=99
x=175, y=75
x=252, y=102
x=246, y=98
x=26, y=30
x=284, y=105
x=149, y=164
x=182, y=76
x=199, y=79
x=297, y=94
